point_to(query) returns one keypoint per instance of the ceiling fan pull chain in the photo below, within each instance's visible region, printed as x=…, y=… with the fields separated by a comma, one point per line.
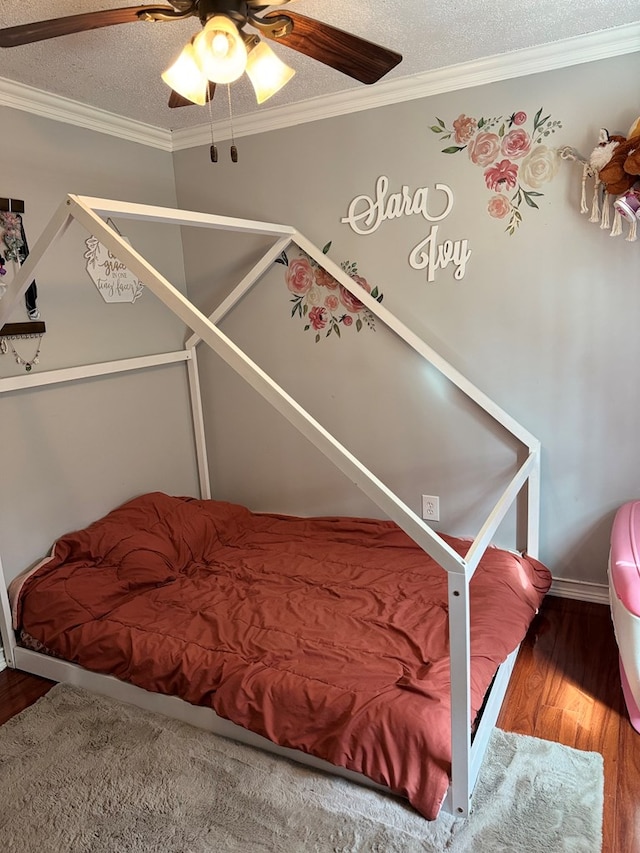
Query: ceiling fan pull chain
x=234, y=150
x=213, y=151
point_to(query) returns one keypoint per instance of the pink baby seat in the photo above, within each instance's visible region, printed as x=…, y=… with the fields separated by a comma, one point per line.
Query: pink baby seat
x=624, y=595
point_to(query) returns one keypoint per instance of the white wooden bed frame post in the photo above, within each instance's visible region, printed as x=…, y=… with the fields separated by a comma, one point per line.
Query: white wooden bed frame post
x=466, y=756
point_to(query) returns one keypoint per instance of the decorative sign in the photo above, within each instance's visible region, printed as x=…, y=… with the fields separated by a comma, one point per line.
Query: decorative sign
x=366, y=214
x=115, y=283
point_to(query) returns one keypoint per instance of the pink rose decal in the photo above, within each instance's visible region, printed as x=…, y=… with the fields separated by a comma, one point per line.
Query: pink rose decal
x=504, y=172
x=464, y=128
x=499, y=206
x=484, y=149
x=317, y=318
x=324, y=279
x=349, y=300
x=331, y=302
x=516, y=143
x=299, y=276
x=324, y=305
x=494, y=143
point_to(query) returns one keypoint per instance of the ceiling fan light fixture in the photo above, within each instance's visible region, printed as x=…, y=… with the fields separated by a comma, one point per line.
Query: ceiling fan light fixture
x=267, y=72
x=220, y=50
x=186, y=78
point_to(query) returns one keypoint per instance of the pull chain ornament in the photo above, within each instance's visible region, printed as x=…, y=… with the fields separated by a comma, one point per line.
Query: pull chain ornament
x=234, y=150
x=213, y=150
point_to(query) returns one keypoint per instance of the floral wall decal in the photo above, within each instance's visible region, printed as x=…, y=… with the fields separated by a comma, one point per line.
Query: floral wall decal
x=515, y=159
x=323, y=304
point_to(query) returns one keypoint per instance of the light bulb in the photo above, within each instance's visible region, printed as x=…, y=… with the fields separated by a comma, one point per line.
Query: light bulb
x=220, y=45
x=220, y=51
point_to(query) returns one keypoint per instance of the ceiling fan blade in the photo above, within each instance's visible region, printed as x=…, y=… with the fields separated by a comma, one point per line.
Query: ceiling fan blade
x=363, y=60
x=40, y=30
x=177, y=100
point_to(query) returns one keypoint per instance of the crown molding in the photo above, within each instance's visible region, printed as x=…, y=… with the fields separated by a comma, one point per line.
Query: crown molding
x=57, y=108
x=591, y=47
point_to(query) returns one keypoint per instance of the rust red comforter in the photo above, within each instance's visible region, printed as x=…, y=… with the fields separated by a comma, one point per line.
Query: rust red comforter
x=328, y=635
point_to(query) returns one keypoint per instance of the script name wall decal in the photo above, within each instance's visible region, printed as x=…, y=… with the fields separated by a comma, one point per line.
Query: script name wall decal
x=367, y=213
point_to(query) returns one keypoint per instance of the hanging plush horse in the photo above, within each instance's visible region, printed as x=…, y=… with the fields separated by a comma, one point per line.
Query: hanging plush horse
x=615, y=166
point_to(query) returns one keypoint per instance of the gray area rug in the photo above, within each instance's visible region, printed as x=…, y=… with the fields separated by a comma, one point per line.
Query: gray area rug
x=79, y=772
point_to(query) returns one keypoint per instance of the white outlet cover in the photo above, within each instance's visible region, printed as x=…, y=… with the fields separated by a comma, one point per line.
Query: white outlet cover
x=431, y=507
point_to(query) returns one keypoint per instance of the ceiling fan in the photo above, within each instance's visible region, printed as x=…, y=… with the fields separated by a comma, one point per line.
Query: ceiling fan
x=223, y=49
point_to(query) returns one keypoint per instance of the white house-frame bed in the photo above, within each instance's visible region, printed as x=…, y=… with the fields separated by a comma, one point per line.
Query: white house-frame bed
x=523, y=489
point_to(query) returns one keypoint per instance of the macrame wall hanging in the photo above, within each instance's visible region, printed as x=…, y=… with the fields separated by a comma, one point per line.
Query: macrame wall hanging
x=614, y=168
x=14, y=248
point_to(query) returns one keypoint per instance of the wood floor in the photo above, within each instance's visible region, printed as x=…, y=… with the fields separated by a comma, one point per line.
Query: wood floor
x=565, y=687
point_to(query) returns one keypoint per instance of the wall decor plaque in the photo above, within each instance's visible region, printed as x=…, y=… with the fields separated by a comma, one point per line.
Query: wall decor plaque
x=114, y=282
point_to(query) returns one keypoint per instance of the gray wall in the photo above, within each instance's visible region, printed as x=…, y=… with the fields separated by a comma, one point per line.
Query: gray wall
x=544, y=321
x=70, y=453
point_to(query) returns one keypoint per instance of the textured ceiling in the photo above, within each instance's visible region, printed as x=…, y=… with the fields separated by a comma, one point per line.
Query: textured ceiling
x=118, y=68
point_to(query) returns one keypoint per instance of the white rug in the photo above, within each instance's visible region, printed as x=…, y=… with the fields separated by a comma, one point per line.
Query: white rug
x=84, y=774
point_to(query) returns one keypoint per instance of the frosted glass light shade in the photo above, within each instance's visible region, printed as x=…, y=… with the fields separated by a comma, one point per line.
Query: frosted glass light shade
x=267, y=72
x=185, y=77
x=220, y=51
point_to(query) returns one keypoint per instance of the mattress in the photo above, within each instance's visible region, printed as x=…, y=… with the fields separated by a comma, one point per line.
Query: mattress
x=327, y=635
x=624, y=594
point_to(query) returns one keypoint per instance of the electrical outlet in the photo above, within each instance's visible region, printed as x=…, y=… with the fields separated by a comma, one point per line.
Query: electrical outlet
x=431, y=507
